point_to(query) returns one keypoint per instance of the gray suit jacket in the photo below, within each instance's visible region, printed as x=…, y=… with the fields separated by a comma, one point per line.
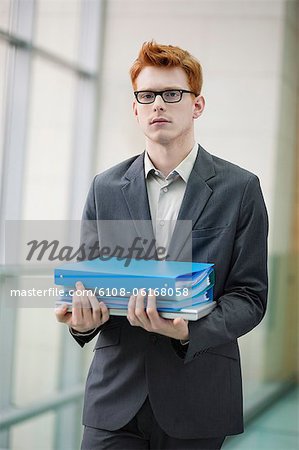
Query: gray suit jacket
x=194, y=392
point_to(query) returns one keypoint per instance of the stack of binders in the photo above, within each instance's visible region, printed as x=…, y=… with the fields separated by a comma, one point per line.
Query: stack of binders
x=183, y=289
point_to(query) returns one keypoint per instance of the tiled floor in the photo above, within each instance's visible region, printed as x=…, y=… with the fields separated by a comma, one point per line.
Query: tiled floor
x=275, y=429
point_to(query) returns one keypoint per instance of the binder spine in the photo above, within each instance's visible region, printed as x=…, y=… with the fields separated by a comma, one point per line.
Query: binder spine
x=118, y=282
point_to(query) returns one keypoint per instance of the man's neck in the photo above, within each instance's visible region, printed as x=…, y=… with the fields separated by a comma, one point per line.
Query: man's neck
x=167, y=157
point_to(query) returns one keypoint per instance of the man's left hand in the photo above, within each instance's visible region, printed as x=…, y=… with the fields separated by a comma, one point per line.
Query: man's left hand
x=149, y=318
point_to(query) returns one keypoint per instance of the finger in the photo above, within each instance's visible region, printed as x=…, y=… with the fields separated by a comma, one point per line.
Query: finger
x=77, y=304
x=181, y=326
x=63, y=315
x=104, y=312
x=93, y=302
x=151, y=310
x=84, y=296
x=61, y=312
x=95, y=311
x=179, y=322
x=131, y=310
x=90, y=316
x=140, y=311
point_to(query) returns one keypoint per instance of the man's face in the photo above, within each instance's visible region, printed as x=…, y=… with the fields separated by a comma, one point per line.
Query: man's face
x=178, y=117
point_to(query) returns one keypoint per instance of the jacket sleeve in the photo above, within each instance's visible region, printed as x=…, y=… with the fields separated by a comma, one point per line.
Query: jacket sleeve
x=243, y=303
x=84, y=338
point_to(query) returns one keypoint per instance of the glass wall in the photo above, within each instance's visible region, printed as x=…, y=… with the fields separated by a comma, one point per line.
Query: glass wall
x=3, y=60
x=49, y=77
x=58, y=28
x=49, y=142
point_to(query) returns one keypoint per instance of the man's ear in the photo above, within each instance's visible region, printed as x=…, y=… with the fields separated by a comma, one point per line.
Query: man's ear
x=199, y=106
x=135, y=110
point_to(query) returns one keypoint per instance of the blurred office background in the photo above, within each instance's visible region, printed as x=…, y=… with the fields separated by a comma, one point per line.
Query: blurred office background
x=66, y=114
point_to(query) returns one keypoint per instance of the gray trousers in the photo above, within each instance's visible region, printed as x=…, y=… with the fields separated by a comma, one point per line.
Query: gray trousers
x=143, y=432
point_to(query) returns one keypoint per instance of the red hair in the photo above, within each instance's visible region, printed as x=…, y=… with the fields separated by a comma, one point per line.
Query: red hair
x=153, y=54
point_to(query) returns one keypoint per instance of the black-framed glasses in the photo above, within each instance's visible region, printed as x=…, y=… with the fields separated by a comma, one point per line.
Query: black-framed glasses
x=169, y=96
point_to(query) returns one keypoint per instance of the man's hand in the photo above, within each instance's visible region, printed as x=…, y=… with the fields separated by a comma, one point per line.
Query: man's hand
x=149, y=319
x=87, y=312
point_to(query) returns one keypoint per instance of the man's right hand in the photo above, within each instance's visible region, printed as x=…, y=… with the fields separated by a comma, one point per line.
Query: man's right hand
x=87, y=312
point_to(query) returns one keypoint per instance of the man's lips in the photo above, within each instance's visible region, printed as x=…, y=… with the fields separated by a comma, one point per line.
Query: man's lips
x=159, y=120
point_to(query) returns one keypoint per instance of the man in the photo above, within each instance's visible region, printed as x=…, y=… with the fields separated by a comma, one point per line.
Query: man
x=172, y=384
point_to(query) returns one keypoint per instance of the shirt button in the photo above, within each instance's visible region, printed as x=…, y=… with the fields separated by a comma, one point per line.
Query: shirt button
x=162, y=223
x=165, y=189
x=154, y=339
x=156, y=172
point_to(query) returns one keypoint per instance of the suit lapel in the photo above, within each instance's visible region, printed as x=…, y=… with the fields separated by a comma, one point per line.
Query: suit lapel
x=136, y=198
x=195, y=199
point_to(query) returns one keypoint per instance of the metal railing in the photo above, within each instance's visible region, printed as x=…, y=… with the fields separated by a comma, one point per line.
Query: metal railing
x=13, y=416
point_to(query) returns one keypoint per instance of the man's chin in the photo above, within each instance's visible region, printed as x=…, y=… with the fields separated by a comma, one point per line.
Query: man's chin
x=161, y=138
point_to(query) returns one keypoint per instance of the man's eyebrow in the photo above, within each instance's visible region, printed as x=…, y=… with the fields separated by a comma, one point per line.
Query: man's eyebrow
x=166, y=88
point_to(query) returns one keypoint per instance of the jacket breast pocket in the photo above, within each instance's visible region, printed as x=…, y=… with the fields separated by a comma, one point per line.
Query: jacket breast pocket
x=108, y=337
x=207, y=243
x=207, y=233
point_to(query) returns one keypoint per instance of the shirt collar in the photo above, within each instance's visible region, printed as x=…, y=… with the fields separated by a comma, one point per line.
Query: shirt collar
x=183, y=169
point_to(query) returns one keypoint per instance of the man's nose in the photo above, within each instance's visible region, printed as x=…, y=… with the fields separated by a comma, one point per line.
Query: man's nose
x=159, y=102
